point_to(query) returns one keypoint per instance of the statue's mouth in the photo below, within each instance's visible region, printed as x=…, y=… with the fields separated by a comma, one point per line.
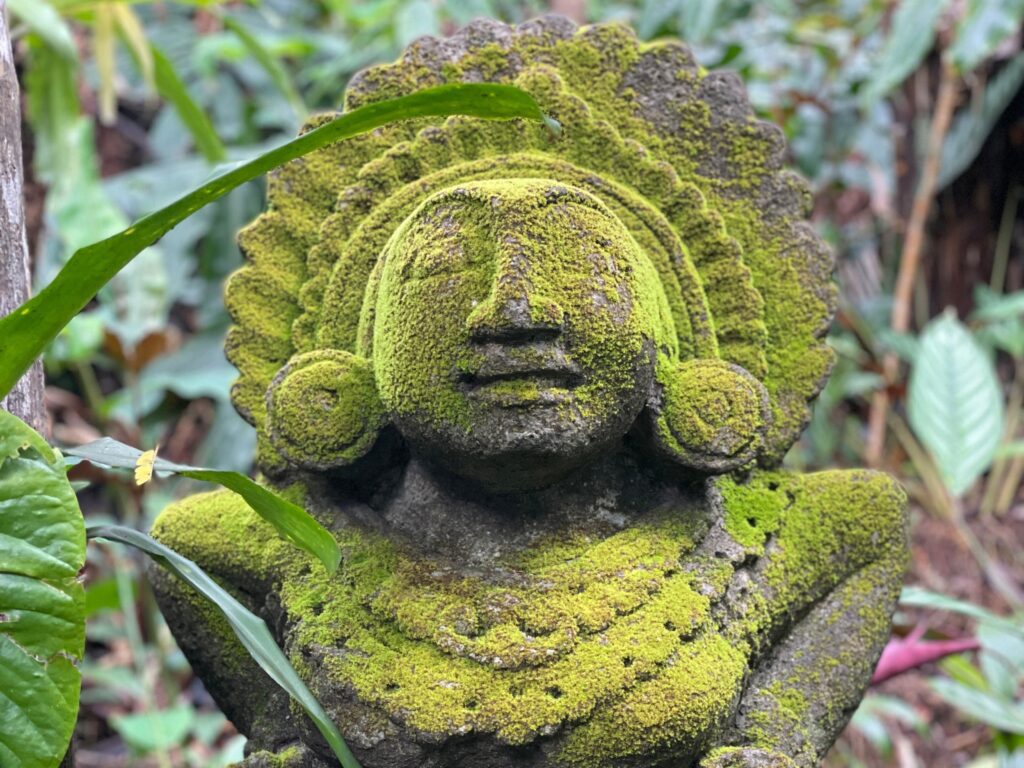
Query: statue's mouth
x=511, y=383
x=565, y=378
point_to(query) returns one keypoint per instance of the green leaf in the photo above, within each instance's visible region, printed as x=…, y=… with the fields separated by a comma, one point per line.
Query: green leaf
x=1001, y=714
x=971, y=127
x=28, y=329
x=42, y=18
x=52, y=107
x=910, y=39
x=917, y=597
x=269, y=62
x=955, y=403
x=994, y=306
x=42, y=604
x=173, y=90
x=290, y=520
x=156, y=730
x=986, y=24
x=250, y=629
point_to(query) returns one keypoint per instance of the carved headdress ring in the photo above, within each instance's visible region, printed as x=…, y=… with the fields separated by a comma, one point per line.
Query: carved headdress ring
x=673, y=152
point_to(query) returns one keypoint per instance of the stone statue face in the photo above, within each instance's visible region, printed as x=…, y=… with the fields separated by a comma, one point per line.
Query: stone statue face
x=515, y=330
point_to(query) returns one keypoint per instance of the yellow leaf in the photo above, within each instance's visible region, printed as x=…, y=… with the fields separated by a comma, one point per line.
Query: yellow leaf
x=135, y=38
x=103, y=52
x=144, y=466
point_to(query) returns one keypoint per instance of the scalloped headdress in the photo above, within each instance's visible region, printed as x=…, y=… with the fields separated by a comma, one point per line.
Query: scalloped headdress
x=673, y=151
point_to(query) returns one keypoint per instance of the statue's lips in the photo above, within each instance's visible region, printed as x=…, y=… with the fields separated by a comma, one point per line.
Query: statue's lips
x=506, y=380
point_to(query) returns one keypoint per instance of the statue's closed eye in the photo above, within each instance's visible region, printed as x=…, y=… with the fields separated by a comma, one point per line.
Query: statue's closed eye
x=445, y=246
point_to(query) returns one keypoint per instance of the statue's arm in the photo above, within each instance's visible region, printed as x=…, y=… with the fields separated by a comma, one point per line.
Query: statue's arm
x=205, y=528
x=822, y=648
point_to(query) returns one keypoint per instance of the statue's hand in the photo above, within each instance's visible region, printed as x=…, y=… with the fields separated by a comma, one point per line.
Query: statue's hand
x=746, y=757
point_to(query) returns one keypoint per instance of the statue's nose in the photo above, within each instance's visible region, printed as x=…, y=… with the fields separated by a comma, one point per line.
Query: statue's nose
x=515, y=311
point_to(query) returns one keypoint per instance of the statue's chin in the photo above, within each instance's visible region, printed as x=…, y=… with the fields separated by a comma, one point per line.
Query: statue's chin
x=510, y=463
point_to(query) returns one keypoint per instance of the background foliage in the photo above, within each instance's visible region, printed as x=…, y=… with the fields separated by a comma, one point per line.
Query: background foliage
x=129, y=103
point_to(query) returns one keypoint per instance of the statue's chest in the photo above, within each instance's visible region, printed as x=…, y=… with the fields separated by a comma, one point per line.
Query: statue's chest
x=605, y=649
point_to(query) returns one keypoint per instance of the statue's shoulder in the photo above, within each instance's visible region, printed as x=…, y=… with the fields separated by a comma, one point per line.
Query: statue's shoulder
x=220, y=531
x=855, y=514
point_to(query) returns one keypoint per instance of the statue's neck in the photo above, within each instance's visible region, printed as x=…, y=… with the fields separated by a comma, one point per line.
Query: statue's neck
x=444, y=516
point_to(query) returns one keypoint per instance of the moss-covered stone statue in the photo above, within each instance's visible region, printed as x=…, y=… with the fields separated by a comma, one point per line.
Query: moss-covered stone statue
x=539, y=388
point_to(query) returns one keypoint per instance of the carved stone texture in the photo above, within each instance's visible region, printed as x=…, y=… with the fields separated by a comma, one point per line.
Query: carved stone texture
x=539, y=388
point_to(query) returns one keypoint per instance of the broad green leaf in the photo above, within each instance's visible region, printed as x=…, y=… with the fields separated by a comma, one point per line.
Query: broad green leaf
x=42, y=18
x=290, y=520
x=173, y=90
x=1002, y=714
x=28, y=329
x=42, y=604
x=910, y=39
x=155, y=730
x=972, y=126
x=986, y=24
x=955, y=403
x=269, y=62
x=249, y=628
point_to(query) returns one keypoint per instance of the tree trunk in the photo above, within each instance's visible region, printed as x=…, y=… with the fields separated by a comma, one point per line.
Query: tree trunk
x=26, y=399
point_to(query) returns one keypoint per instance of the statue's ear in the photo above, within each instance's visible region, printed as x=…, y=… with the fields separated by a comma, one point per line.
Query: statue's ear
x=708, y=415
x=323, y=410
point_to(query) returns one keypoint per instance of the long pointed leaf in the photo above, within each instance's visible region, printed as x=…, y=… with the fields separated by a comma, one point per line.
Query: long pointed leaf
x=26, y=331
x=290, y=520
x=251, y=630
x=192, y=116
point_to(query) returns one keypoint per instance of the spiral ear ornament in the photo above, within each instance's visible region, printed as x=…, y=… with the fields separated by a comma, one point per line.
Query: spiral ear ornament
x=712, y=415
x=323, y=411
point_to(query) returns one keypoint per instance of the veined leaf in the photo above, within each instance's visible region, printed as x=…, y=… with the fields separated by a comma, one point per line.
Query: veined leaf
x=954, y=402
x=249, y=628
x=42, y=603
x=986, y=24
x=28, y=329
x=290, y=520
x=910, y=38
x=43, y=19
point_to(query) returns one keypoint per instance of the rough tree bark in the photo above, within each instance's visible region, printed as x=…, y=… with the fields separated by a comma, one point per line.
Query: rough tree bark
x=26, y=399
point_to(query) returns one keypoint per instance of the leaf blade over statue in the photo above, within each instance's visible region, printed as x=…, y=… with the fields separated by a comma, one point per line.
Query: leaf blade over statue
x=538, y=388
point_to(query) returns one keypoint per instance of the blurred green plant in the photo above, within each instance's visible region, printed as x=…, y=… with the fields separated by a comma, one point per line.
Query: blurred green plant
x=989, y=690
